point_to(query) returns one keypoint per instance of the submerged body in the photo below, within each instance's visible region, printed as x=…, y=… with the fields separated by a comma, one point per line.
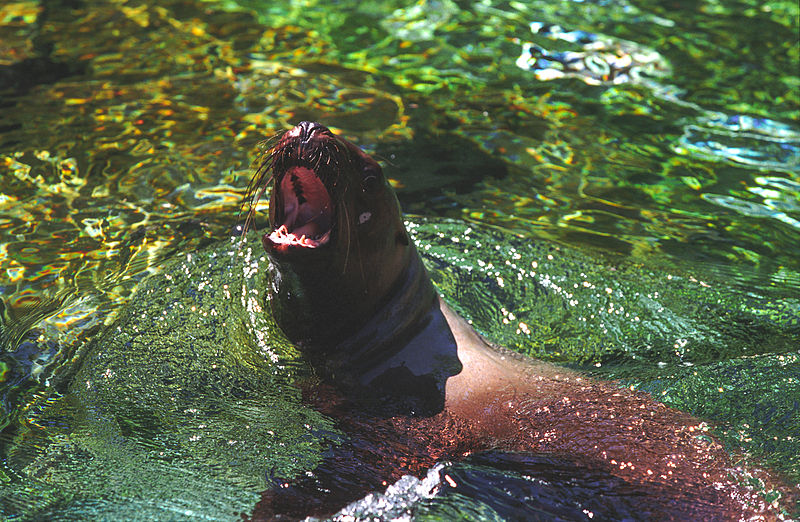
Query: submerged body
x=411, y=382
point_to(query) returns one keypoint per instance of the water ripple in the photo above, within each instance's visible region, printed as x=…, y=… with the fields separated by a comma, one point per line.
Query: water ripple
x=780, y=199
x=758, y=149
x=596, y=60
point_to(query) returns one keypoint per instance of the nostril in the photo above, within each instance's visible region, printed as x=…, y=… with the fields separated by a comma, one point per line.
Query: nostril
x=308, y=130
x=306, y=127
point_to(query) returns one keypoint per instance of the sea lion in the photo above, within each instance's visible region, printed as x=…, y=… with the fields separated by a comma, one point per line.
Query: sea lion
x=411, y=382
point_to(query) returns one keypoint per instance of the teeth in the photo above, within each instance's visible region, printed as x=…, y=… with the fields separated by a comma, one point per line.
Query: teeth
x=282, y=236
x=282, y=232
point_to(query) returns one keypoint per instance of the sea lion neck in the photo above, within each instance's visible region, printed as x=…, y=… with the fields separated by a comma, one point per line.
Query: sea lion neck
x=403, y=355
x=324, y=310
x=399, y=356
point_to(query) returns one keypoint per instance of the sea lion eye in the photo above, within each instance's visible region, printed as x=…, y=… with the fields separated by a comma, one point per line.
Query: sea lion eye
x=371, y=178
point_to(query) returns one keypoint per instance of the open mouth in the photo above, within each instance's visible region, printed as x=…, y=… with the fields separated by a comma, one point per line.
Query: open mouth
x=301, y=211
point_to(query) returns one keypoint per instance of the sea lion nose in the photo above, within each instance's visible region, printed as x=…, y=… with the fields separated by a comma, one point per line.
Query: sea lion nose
x=308, y=130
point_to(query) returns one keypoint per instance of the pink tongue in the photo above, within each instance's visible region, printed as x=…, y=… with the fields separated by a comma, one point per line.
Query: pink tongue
x=306, y=219
x=309, y=212
x=313, y=190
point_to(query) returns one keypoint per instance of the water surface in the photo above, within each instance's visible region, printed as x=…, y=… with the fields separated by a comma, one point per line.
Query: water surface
x=655, y=142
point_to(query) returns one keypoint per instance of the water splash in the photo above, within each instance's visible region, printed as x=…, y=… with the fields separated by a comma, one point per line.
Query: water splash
x=398, y=500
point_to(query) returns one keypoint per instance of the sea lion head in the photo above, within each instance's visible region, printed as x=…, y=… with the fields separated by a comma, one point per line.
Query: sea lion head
x=336, y=242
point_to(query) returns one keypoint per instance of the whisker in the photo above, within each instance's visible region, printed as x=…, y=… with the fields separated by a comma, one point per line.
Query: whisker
x=345, y=223
x=258, y=185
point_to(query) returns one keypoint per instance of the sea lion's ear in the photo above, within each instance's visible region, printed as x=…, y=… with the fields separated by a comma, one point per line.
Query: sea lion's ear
x=402, y=237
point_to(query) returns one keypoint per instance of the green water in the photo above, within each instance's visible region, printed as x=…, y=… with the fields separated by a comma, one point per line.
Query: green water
x=657, y=143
